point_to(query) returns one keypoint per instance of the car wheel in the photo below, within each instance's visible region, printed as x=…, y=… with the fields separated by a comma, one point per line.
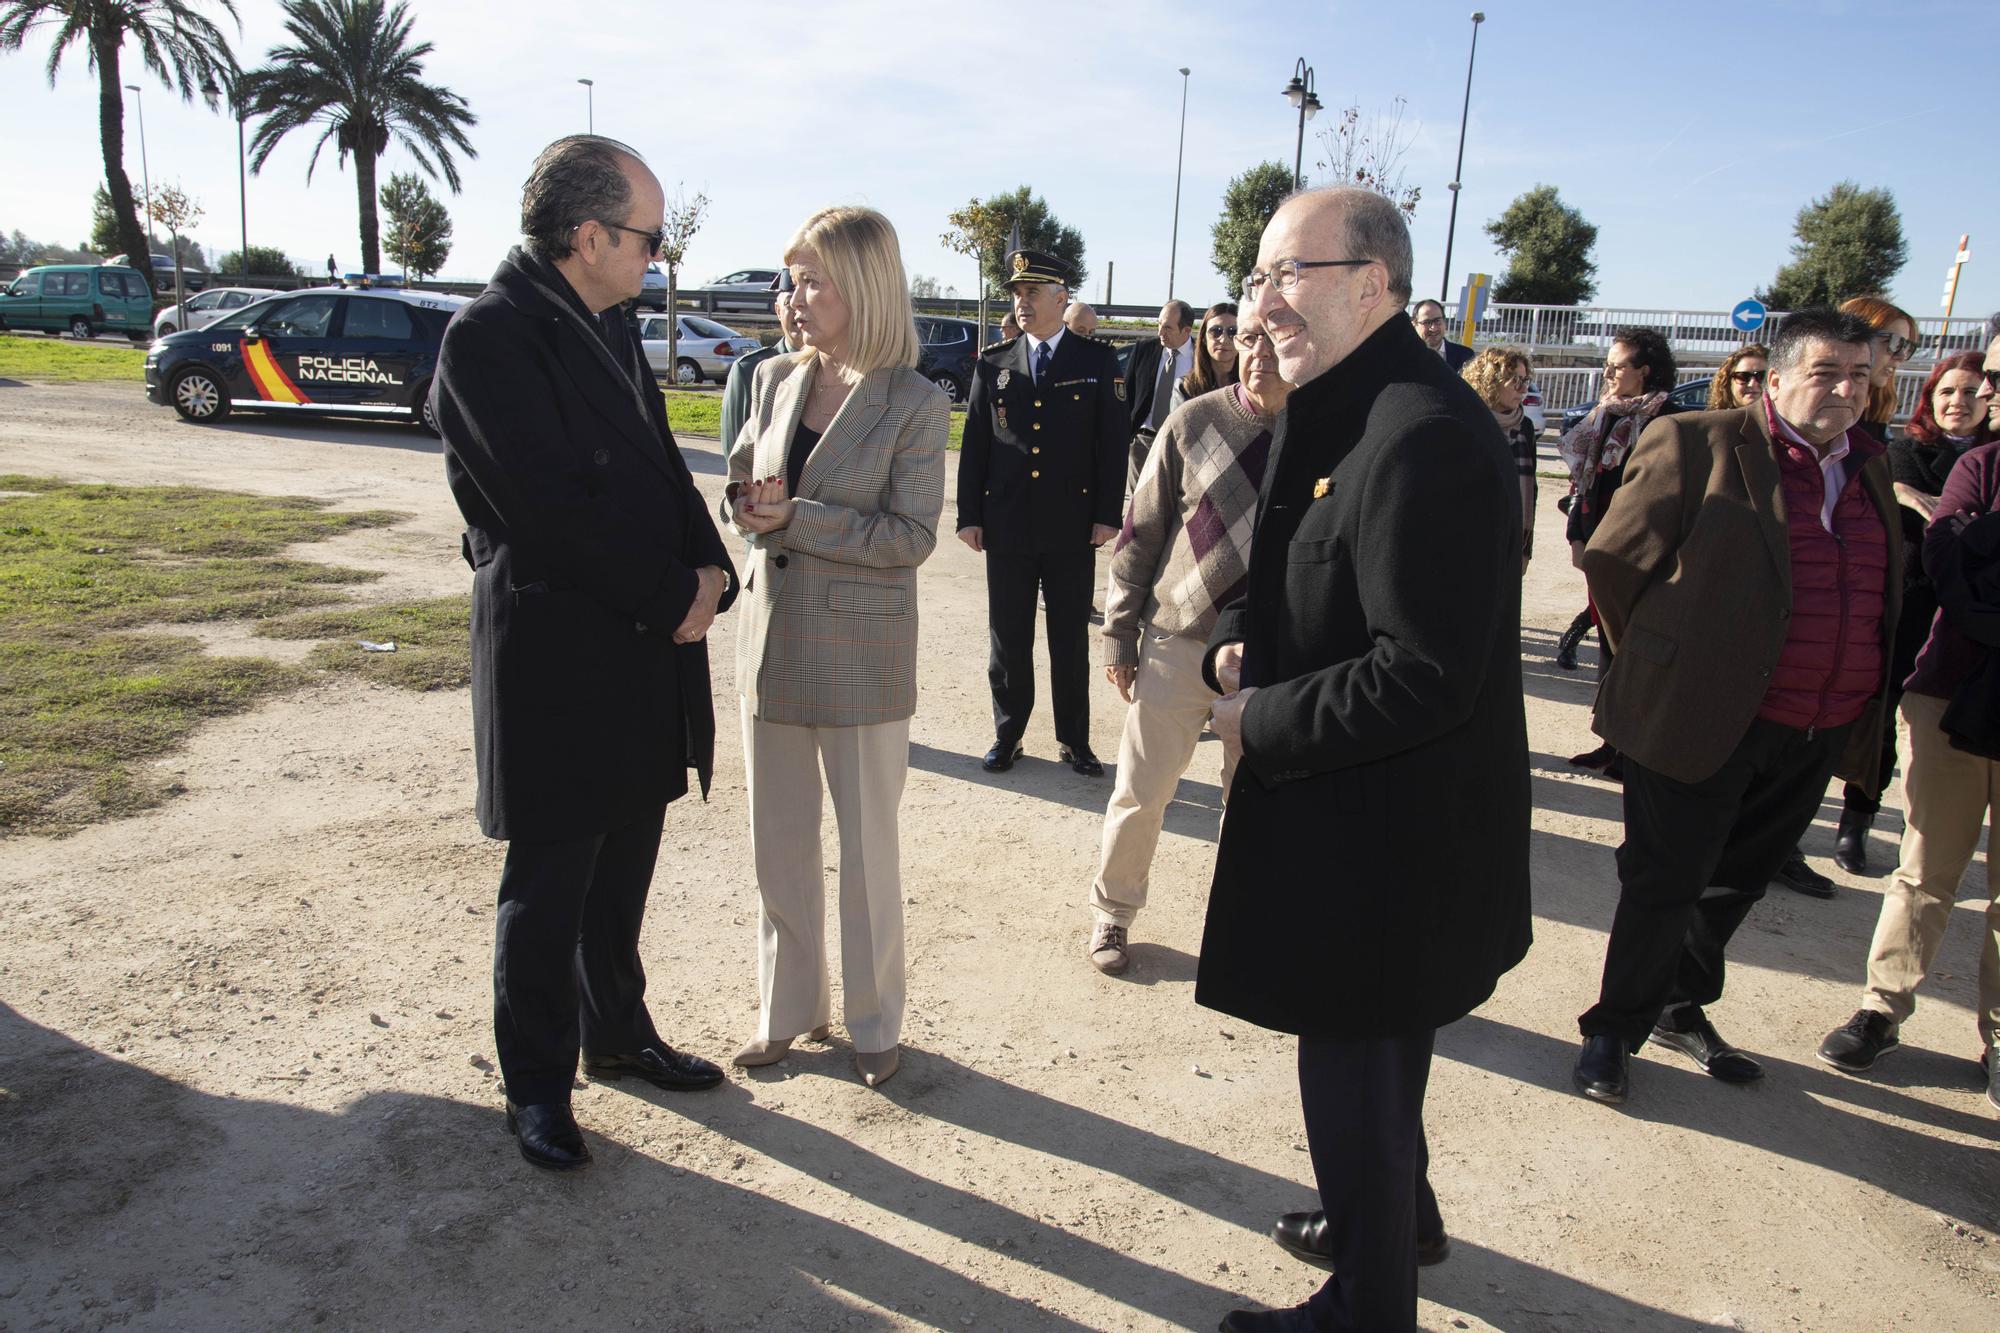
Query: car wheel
x=686, y=372
x=168, y=329
x=199, y=396
x=79, y=326
x=948, y=384
x=426, y=418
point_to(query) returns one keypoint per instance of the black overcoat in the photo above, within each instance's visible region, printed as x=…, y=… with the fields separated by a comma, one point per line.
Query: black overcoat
x=584, y=530
x=1040, y=464
x=1372, y=874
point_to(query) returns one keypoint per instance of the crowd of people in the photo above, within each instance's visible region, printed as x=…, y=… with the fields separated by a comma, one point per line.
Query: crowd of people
x=1320, y=511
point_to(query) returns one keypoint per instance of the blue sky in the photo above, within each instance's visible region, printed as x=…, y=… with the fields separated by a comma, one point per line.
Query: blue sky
x=1690, y=133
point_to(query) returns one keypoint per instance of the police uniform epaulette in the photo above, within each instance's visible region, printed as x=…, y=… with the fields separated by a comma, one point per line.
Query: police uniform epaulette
x=999, y=346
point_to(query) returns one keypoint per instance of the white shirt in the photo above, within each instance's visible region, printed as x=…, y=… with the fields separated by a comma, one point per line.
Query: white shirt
x=1831, y=471
x=1183, y=359
x=1035, y=344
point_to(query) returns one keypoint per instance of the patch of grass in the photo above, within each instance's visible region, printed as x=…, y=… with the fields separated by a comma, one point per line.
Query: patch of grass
x=433, y=641
x=83, y=704
x=35, y=356
x=701, y=414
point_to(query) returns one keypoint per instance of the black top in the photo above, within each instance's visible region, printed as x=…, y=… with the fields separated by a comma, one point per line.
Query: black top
x=803, y=440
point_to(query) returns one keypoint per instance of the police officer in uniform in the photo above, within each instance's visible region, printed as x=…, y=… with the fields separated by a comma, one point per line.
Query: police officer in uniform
x=1041, y=484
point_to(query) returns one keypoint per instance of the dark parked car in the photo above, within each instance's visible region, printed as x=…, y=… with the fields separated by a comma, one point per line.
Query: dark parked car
x=1689, y=397
x=947, y=349
x=192, y=279
x=323, y=352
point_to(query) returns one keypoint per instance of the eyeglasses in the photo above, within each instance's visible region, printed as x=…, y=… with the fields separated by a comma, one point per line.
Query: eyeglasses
x=1225, y=330
x=655, y=240
x=1746, y=378
x=1519, y=381
x=1250, y=341
x=1285, y=273
x=1900, y=348
x=1430, y=322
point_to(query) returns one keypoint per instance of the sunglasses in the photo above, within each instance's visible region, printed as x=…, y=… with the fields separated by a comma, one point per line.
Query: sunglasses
x=655, y=240
x=1223, y=330
x=1747, y=377
x=1992, y=378
x=1899, y=347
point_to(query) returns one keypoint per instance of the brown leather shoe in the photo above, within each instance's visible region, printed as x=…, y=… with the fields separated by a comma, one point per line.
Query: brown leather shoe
x=1107, y=949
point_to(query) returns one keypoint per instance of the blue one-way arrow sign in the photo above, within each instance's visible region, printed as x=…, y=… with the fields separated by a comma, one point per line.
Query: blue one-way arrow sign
x=1748, y=316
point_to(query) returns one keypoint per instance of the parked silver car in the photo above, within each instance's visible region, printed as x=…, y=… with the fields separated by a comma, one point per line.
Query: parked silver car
x=706, y=349
x=653, y=289
x=745, y=289
x=203, y=310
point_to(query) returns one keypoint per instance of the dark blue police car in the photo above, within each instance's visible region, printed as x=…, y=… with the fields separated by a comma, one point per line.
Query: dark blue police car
x=324, y=351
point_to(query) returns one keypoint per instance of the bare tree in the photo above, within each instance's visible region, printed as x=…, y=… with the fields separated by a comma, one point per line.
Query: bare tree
x=177, y=211
x=682, y=220
x=1371, y=155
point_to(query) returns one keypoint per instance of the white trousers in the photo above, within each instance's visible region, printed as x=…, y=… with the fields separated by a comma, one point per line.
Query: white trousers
x=865, y=767
x=1162, y=727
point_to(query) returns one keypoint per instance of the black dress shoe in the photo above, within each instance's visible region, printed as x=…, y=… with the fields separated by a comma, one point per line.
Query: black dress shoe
x=1603, y=1071
x=661, y=1065
x=548, y=1136
x=1081, y=760
x=1799, y=877
x=1298, y=1319
x=1566, y=646
x=1600, y=758
x=1850, y=841
x=1696, y=1038
x=1303, y=1236
x=1001, y=757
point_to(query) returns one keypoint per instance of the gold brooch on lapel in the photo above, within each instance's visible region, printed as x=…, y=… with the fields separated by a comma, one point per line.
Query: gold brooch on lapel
x=1005, y=376
x=1322, y=487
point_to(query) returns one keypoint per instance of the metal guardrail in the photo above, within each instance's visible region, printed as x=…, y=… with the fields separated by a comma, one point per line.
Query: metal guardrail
x=1556, y=328
x=1564, y=387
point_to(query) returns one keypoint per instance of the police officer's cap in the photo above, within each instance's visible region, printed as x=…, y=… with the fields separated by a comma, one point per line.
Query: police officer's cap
x=1035, y=266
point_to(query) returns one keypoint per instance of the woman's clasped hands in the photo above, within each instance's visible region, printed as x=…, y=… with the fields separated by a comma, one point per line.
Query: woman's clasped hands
x=762, y=506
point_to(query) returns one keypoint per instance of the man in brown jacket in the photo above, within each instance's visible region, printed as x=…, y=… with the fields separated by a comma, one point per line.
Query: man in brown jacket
x=1745, y=578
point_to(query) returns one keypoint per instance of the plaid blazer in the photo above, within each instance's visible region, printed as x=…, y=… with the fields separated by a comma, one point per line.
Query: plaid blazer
x=827, y=625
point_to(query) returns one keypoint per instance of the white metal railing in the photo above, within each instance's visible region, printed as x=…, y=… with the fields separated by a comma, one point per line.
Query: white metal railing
x=1564, y=387
x=1563, y=327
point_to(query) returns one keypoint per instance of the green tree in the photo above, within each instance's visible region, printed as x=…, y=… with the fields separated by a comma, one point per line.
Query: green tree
x=975, y=231
x=352, y=69
x=1247, y=206
x=265, y=262
x=177, y=44
x=103, y=223
x=1850, y=243
x=18, y=249
x=1040, y=230
x=1548, y=245
x=923, y=288
x=419, y=228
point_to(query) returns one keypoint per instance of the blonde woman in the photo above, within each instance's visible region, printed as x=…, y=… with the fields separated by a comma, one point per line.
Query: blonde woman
x=837, y=479
x=1500, y=376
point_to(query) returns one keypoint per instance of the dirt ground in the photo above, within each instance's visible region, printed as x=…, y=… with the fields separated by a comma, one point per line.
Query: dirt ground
x=246, y=1072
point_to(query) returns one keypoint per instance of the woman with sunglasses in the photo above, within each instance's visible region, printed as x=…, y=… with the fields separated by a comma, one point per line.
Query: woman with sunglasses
x=1182, y=556
x=1740, y=381
x=1500, y=376
x=1895, y=343
x=1639, y=376
x=1214, y=355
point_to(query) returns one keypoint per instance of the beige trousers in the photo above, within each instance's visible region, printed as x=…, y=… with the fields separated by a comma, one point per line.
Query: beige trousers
x=1169, y=705
x=1947, y=796
x=865, y=767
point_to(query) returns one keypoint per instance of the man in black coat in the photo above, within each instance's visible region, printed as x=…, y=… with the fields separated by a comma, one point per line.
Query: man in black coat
x=1371, y=882
x=1041, y=485
x=597, y=572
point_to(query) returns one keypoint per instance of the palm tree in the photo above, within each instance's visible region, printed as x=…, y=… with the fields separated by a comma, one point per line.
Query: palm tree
x=181, y=47
x=352, y=68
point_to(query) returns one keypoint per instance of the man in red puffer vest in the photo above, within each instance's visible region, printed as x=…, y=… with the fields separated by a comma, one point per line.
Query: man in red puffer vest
x=1747, y=583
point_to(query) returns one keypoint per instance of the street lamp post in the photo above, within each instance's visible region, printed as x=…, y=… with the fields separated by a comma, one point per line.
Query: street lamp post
x=145, y=179
x=1174, y=246
x=589, y=104
x=1444, y=287
x=1299, y=92
x=209, y=89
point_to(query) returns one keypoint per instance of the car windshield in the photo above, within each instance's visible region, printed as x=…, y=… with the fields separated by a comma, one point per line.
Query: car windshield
x=707, y=328
x=247, y=315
